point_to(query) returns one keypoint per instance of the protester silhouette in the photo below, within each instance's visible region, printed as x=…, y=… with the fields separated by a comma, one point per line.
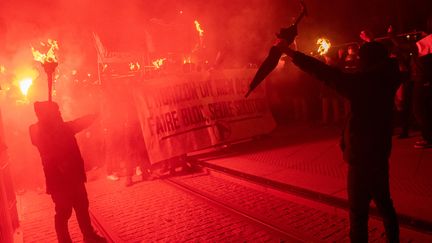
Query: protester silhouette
x=422, y=97
x=63, y=166
x=367, y=136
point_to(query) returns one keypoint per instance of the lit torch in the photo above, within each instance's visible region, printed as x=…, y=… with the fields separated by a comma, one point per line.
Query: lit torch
x=200, y=32
x=134, y=66
x=323, y=46
x=198, y=28
x=158, y=63
x=48, y=61
x=25, y=85
x=187, y=60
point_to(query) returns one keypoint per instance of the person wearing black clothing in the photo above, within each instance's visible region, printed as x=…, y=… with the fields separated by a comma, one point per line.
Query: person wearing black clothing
x=138, y=155
x=63, y=166
x=367, y=137
x=422, y=76
x=407, y=86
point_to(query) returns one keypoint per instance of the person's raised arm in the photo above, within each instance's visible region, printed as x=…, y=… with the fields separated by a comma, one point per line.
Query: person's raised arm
x=344, y=83
x=81, y=123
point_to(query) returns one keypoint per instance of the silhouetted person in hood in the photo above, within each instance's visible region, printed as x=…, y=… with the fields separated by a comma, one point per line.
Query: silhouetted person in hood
x=367, y=136
x=63, y=167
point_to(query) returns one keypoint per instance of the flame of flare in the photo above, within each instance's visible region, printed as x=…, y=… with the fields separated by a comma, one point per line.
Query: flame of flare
x=24, y=85
x=187, y=60
x=198, y=28
x=134, y=66
x=159, y=62
x=49, y=56
x=323, y=46
x=2, y=69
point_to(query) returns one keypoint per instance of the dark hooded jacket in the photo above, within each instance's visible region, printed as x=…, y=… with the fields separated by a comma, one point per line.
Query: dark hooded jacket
x=55, y=139
x=367, y=135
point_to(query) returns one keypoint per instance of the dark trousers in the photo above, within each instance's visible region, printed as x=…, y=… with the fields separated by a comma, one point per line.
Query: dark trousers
x=423, y=109
x=74, y=197
x=138, y=156
x=365, y=185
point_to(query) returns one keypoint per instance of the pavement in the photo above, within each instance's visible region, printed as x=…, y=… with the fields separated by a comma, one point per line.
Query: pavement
x=151, y=211
x=309, y=157
x=157, y=211
x=301, y=156
x=36, y=214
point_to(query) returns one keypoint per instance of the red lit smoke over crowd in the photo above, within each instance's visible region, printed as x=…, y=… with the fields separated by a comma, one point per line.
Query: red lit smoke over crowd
x=169, y=77
x=156, y=30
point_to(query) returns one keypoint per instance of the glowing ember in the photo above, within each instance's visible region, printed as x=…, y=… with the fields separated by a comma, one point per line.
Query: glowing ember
x=49, y=56
x=323, y=46
x=198, y=28
x=159, y=62
x=134, y=66
x=25, y=85
x=186, y=60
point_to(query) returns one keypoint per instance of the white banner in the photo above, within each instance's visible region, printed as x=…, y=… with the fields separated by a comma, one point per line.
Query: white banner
x=193, y=111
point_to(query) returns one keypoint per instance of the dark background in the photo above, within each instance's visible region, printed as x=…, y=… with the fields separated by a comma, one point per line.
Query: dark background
x=247, y=27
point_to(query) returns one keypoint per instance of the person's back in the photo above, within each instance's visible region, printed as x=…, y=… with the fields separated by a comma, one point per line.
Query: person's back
x=63, y=167
x=55, y=139
x=371, y=95
x=60, y=155
x=369, y=129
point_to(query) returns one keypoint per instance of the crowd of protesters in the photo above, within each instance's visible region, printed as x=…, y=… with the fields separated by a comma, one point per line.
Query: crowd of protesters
x=294, y=97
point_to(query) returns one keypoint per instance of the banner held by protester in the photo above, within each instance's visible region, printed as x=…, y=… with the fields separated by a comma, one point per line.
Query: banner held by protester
x=193, y=111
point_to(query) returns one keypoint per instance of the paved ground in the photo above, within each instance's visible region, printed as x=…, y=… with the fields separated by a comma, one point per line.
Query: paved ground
x=36, y=213
x=311, y=221
x=310, y=158
x=147, y=212
x=156, y=211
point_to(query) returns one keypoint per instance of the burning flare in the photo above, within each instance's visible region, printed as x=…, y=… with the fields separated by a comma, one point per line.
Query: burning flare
x=187, y=60
x=159, y=62
x=323, y=46
x=134, y=66
x=198, y=28
x=50, y=55
x=24, y=85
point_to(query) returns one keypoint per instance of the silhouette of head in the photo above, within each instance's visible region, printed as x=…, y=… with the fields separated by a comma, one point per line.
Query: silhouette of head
x=47, y=112
x=372, y=54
